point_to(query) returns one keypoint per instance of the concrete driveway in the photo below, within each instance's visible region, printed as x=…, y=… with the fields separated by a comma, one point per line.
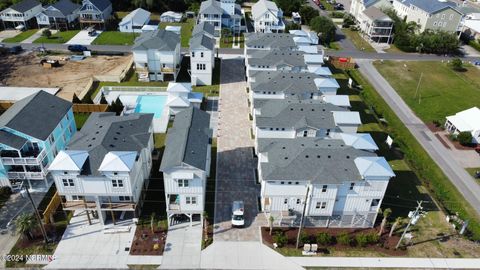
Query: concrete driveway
x=8, y=34
x=82, y=38
x=183, y=247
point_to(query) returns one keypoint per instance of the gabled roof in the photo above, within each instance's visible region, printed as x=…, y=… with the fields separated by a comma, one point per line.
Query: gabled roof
x=118, y=161
x=467, y=120
x=169, y=13
x=359, y=140
x=159, y=39
x=313, y=59
x=69, y=160
x=61, y=9
x=376, y=14
x=25, y=5
x=174, y=101
x=373, y=167
x=326, y=82
x=210, y=7
x=431, y=6
x=204, y=28
x=277, y=57
x=138, y=17
x=202, y=42
x=36, y=115
x=349, y=118
x=188, y=140
x=12, y=140
x=269, y=40
x=322, y=71
x=100, y=4
x=262, y=6
x=337, y=100
x=179, y=87
x=290, y=83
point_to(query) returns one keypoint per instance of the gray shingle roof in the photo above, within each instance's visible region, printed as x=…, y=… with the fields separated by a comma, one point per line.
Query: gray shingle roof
x=36, y=115
x=210, y=7
x=290, y=83
x=188, y=140
x=279, y=113
x=64, y=7
x=202, y=28
x=318, y=160
x=274, y=58
x=25, y=5
x=270, y=40
x=376, y=14
x=430, y=6
x=100, y=4
x=105, y=132
x=201, y=42
x=11, y=139
x=159, y=39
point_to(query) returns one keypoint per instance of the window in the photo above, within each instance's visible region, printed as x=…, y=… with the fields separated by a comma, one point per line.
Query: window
x=324, y=205
x=352, y=185
x=317, y=205
x=305, y=133
x=298, y=201
x=451, y=17
x=201, y=54
x=117, y=183
x=70, y=129
x=285, y=201
x=183, y=182
x=324, y=188
x=443, y=16
x=375, y=202
x=68, y=183
x=191, y=200
x=124, y=198
x=201, y=67
x=193, y=54
x=77, y=198
x=434, y=23
x=282, y=183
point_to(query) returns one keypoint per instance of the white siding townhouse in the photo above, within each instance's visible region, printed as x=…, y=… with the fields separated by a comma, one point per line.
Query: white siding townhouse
x=21, y=14
x=222, y=14
x=157, y=53
x=465, y=121
x=134, y=21
x=106, y=167
x=186, y=164
x=430, y=14
x=202, y=55
x=62, y=15
x=343, y=183
x=267, y=17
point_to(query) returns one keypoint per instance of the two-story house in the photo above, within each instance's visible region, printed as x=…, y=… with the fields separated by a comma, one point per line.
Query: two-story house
x=375, y=25
x=62, y=15
x=358, y=6
x=158, y=54
x=134, y=21
x=186, y=163
x=21, y=14
x=341, y=185
x=430, y=14
x=289, y=118
x=267, y=17
x=32, y=131
x=106, y=167
x=95, y=13
x=202, y=57
x=222, y=14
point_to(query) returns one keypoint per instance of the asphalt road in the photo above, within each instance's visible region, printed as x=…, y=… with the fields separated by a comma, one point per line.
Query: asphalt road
x=457, y=175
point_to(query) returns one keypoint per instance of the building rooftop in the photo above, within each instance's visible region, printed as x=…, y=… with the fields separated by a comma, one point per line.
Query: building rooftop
x=25, y=5
x=100, y=4
x=290, y=83
x=159, y=39
x=277, y=58
x=188, y=140
x=467, y=120
x=12, y=140
x=430, y=6
x=376, y=14
x=36, y=115
x=202, y=42
x=62, y=9
x=210, y=7
x=138, y=17
x=262, y=6
x=269, y=40
x=204, y=28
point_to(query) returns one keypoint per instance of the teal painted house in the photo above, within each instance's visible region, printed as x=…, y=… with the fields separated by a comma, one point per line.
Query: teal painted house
x=32, y=131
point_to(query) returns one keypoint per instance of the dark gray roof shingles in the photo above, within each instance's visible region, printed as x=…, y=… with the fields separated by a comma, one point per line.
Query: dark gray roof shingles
x=25, y=5
x=159, y=39
x=12, y=140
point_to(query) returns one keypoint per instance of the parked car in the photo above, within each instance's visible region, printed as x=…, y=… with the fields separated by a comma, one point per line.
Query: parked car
x=15, y=49
x=322, y=7
x=238, y=219
x=91, y=31
x=77, y=48
x=338, y=6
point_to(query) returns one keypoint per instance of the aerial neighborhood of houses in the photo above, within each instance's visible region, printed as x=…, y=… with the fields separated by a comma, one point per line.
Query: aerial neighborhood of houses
x=227, y=134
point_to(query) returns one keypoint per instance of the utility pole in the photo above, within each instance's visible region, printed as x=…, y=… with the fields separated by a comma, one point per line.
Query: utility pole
x=418, y=85
x=303, y=215
x=415, y=214
x=39, y=219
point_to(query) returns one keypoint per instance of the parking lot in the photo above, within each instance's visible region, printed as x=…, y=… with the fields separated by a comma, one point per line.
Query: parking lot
x=82, y=38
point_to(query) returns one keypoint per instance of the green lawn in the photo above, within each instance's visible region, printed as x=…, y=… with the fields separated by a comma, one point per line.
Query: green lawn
x=153, y=17
x=21, y=37
x=115, y=38
x=59, y=37
x=472, y=171
x=186, y=31
x=80, y=119
x=357, y=40
x=442, y=91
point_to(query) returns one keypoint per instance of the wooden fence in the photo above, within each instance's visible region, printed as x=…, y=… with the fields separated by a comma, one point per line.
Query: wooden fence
x=89, y=108
x=51, y=208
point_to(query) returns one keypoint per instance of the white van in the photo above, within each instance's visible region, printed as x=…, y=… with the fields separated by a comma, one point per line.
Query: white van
x=238, y=219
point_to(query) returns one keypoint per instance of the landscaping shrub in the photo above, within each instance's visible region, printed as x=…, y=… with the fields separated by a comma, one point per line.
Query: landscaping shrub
x=324, y=239
x=348, y=20
x=344, y=239
x=464, y=138
x=361, y=240
x=474, y=44
x=308, y=13
x=5, y=192
x=47, y=33
x=337, y=14
x=457, y=64
x=280, y=238
x=372, y=238
x=304, y=238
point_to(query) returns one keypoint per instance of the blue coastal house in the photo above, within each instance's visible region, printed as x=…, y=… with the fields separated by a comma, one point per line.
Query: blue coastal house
x=32, y=131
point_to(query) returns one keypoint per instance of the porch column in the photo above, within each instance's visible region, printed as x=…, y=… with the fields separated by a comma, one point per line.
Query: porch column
x=99, y=210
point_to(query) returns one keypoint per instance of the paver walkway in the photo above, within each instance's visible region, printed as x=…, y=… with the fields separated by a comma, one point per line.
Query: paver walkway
x=457, y=175
x=33, y=37
x=183, y=247
x=235, y=162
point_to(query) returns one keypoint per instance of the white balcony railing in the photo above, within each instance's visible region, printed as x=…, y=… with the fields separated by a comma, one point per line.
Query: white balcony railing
x=25, y=160
x=27, y=175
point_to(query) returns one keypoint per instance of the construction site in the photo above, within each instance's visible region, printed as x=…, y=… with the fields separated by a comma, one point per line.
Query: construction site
x=73, y=75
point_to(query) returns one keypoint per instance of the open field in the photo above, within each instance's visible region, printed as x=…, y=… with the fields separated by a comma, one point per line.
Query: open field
x=442, y=91
x=59, y=37
x=115, y=38
x=22, y=36
x=358, y=41
x=186, y=31
x=72, y=76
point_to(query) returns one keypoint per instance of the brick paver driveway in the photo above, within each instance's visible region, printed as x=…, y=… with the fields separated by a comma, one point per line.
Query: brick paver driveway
x=235, y=165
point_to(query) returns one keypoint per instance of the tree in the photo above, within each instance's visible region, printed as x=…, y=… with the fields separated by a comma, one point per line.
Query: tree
x=464, y=138
x=87, y=99
x=289, y=6
x=103, y=100
x=308, y=13
x=324, y=27
x=457, y=64
x=118, y=106
x=47, y=33
x=280, y=238
x=292, y=26
x=75, y=99
x=25, y=224
x=348, y=20
x=270, y=223
x=397, y=222
x=386, y=213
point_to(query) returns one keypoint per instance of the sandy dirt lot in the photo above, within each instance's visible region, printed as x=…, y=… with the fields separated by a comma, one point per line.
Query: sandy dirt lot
x=72, y=76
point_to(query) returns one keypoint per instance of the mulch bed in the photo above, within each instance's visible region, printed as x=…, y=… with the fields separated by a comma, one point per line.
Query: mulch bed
x=433, y=127
x=147, y=243
x=458, y=146
x=386, y=244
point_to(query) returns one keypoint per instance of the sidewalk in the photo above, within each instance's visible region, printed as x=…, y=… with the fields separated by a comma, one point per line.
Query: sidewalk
x=380, y=262
x=34, y=37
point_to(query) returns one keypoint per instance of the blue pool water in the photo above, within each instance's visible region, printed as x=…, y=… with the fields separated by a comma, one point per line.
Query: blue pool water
x=151, y=104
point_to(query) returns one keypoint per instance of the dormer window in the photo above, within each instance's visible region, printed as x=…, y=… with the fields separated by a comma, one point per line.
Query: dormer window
x=117, y=183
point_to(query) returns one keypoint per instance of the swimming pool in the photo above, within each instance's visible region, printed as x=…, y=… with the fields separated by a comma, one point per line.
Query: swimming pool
x=151, y=104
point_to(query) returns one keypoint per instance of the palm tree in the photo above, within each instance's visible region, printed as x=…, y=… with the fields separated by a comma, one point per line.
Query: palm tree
x=205, y=224
x=152, y=222
x=397, y=222
x=386, y=213
x=25, y=224
x=270, y=223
